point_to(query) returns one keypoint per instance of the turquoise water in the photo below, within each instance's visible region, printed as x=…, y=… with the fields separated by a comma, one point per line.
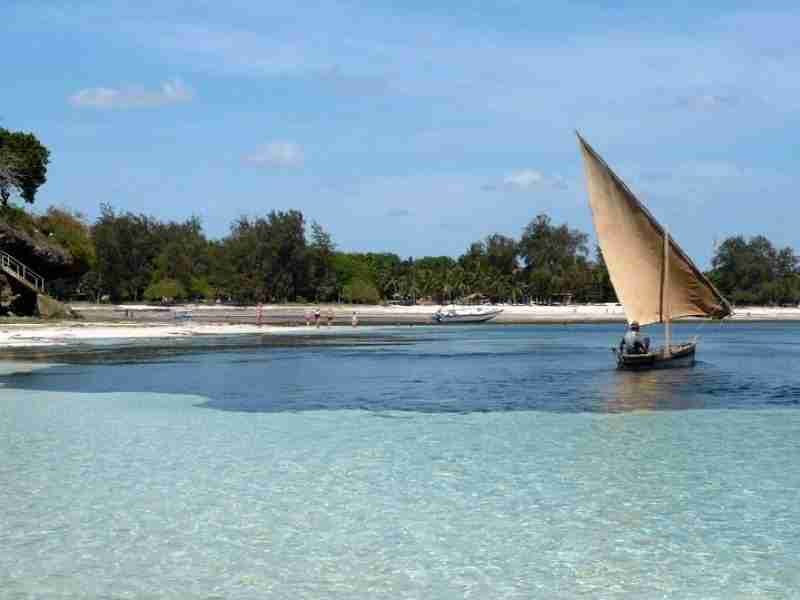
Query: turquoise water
x=477, y=462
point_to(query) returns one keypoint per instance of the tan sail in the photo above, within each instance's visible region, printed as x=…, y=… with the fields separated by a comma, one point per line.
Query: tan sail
x=632, y=242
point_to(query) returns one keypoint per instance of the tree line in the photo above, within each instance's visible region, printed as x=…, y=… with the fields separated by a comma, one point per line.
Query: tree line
x=281, y=257
x=754, y=271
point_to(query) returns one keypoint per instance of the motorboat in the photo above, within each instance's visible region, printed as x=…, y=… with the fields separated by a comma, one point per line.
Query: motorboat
x=465, y=314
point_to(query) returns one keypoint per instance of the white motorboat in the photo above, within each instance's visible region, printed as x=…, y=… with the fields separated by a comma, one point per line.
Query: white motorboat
x=465, y=314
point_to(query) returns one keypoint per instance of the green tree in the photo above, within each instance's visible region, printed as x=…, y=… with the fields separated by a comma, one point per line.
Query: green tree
x=603, y=289
x=183, y=256
x=125, y=246
x=361, y=291
x=323, y=273
x=546, y=246
x=268, y=257
x=754, y=271
x=554, y=258
x=501, y=253
x=23, y=165
x=70, y=230
x=165, y=288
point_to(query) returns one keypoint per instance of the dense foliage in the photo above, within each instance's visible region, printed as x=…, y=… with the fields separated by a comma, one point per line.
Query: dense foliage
x=279, y=257
x=755, y=272
x=23, y=165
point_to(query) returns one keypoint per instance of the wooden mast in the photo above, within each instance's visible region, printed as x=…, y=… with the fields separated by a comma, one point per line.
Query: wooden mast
x=665, y=297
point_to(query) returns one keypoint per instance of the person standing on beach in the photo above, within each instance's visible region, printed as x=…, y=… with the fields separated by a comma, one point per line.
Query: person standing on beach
x=307, y=316
x=316, y=317
x=354, y=319
x=330, y=317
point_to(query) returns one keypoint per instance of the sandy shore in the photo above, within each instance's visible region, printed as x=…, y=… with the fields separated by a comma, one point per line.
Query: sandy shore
x=285, y=314
x=140, y=322
x=62, y=333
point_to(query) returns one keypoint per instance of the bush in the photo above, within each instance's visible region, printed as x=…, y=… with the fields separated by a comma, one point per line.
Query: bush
x=165, y=288
x=18, y=218
x=201, y=288
x=361, y=291
x=71, y=231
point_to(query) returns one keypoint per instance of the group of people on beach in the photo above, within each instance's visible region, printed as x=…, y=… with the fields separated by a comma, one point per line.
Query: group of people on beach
x=316, y=316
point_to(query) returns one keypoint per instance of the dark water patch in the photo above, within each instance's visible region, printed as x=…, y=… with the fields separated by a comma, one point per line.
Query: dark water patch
x=453, y=370
x=161, y=350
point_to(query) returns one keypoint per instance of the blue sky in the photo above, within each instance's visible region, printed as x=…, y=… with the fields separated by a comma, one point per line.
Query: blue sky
x=410, y=127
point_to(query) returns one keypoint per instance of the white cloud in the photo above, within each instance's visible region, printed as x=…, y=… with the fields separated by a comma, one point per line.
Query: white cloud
x=277, y=154
x=708, y=102
x=527, y=179
x=170, y=92
x=524, y=179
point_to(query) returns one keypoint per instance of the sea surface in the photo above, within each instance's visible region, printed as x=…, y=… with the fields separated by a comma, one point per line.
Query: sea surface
x=482, y=461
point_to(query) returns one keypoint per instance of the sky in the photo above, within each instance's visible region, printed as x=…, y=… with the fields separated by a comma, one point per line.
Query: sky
x=414, y=127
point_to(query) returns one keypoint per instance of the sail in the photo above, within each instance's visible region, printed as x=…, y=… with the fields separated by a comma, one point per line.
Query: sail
x=632, y=242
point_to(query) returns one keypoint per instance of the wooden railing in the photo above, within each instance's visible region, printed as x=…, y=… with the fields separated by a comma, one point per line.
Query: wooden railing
x=21, y=273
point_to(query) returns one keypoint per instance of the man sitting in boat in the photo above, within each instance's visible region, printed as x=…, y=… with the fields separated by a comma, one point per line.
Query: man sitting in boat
x=633, y=342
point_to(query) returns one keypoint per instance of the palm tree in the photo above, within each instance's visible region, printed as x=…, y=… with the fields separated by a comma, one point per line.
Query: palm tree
x=426, y=282
x=455, y=282
x=391, y=286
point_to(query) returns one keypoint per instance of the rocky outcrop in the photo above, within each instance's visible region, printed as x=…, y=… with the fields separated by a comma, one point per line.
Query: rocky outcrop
x=49, y=308
x=44, y=256
x=39, y=252
x=17, y=299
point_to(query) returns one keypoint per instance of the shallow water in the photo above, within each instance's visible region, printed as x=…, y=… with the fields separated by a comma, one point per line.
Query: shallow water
x=486, y=462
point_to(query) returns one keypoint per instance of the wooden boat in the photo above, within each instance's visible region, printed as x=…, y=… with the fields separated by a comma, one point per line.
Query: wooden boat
x=654, y=279
x=680, y=355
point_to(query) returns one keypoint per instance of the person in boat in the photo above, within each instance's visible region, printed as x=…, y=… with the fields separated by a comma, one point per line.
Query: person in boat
x=633, y=342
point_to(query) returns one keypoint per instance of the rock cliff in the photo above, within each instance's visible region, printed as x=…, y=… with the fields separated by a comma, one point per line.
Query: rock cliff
x=40, y=253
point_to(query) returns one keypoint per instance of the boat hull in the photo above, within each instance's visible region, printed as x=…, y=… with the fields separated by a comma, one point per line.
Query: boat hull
x=460, y=319
x=681, y=356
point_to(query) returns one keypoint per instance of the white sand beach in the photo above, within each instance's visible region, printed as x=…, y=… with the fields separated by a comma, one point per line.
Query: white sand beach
x=19, y=335
x=139, y=322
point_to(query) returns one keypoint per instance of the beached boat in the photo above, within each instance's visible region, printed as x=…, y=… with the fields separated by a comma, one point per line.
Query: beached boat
x=465, y=314
x=653, y=277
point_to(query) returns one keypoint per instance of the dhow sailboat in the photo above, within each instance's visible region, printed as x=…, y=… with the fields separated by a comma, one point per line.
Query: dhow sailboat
x=654, y=279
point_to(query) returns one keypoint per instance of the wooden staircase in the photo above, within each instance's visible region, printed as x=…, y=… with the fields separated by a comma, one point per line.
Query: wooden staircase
x=26, y=276
x=39, y=304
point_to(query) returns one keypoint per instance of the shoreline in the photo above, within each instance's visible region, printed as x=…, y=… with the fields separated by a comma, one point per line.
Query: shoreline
x=119, y=323
x=293, y=314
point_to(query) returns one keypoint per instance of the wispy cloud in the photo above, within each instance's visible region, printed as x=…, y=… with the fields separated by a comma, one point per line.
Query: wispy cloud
x=708, y=102
x=693, y=171
x=525, y=180
x=170, y=92
x=277, y=154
